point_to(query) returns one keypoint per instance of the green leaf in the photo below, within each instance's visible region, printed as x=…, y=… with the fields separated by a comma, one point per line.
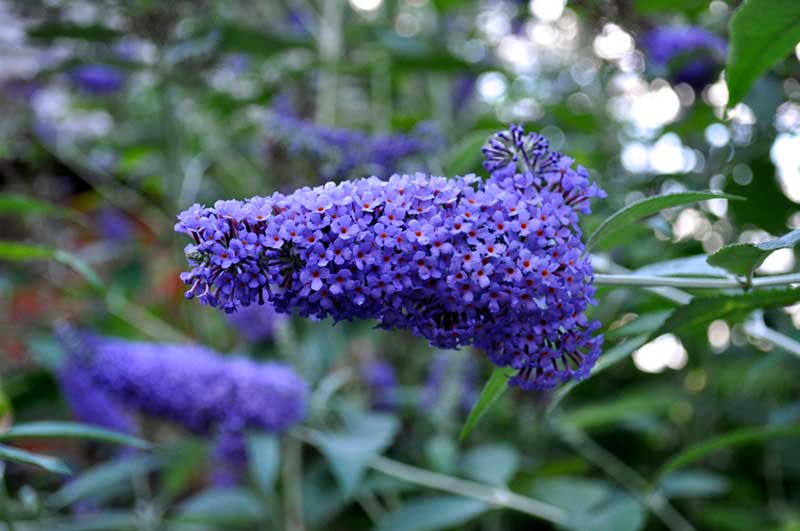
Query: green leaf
x=465, y=156
x=18, y=204
x=349, y=451
x=431, y=513
x=59, y=30
x=693, y=484
x=18, y=455
x=763, y=32
x=494, y=388
x=731, y=439
x=495, y=464
x=648, y=207
x=52, y=429
x=263, y=458
x=103, y=481
x=223, y=507
x=642, y=325
x=23, y=252
x=97, y=521
x=609, y=358
x=701, y=311
x=744, y=258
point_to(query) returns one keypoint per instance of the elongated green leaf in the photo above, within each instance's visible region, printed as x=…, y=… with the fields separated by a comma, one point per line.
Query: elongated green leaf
x=693, y=484
x=763, y=32
x=73, y=430
x=625, y=407
x=731, y=439
x=744, y=258
x=432, y=513
x=95, y=521
x=23, y=252
x=648, y=207
x=701, y=311
x=643, y=325
x=103, y=481
x=494, y=388
x=466, y=154
x=18, y=455
x=19, y=204
x=609, y=358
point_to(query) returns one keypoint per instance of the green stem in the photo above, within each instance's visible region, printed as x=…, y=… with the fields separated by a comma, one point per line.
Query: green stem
x=650, y=497
x=292, y=475
x=693, y=282
x=497, y=496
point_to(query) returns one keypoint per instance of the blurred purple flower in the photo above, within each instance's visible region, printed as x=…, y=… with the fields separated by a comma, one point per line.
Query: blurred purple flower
x=464, y=373
x=190, y=385
x=693, y=54
x=114, y=225
x=345, y=152
x=97, y=78
x=381, y=381
x=257, y=323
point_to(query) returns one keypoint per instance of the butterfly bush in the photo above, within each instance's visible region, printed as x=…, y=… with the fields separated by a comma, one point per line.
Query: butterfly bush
x=498, y=264
x=189, y=384
x=704, y=51
x=97, y=78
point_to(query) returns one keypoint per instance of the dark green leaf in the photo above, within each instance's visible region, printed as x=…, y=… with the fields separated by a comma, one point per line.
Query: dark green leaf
x=494, y=388
x=744, y=258
x=18, y=455
x=642, y=325
x=263, y=458
x=349, y=451
x=52, y=429
x=103, y=481
x=701, y=311
x=59, y=30
x=491, y=463
x=23, y=252
x=97, y=521
x=432, y=513
x=731, y=439
x=763, y=32
x=223, y=507
x=648, y=207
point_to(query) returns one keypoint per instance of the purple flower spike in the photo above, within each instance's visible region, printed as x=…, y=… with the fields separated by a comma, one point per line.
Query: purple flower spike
x=497, y=264
x=97, y=78
x=189, y=384
x=695, y=54
x=256, y=323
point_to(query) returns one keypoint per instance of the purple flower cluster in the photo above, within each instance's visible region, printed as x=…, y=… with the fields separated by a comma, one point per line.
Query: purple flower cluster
x=256, y=323
x=498, y=264
x=694, y=54
x=381, y=381
x=97, y=78
x=344, y=152
x=189, y=384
